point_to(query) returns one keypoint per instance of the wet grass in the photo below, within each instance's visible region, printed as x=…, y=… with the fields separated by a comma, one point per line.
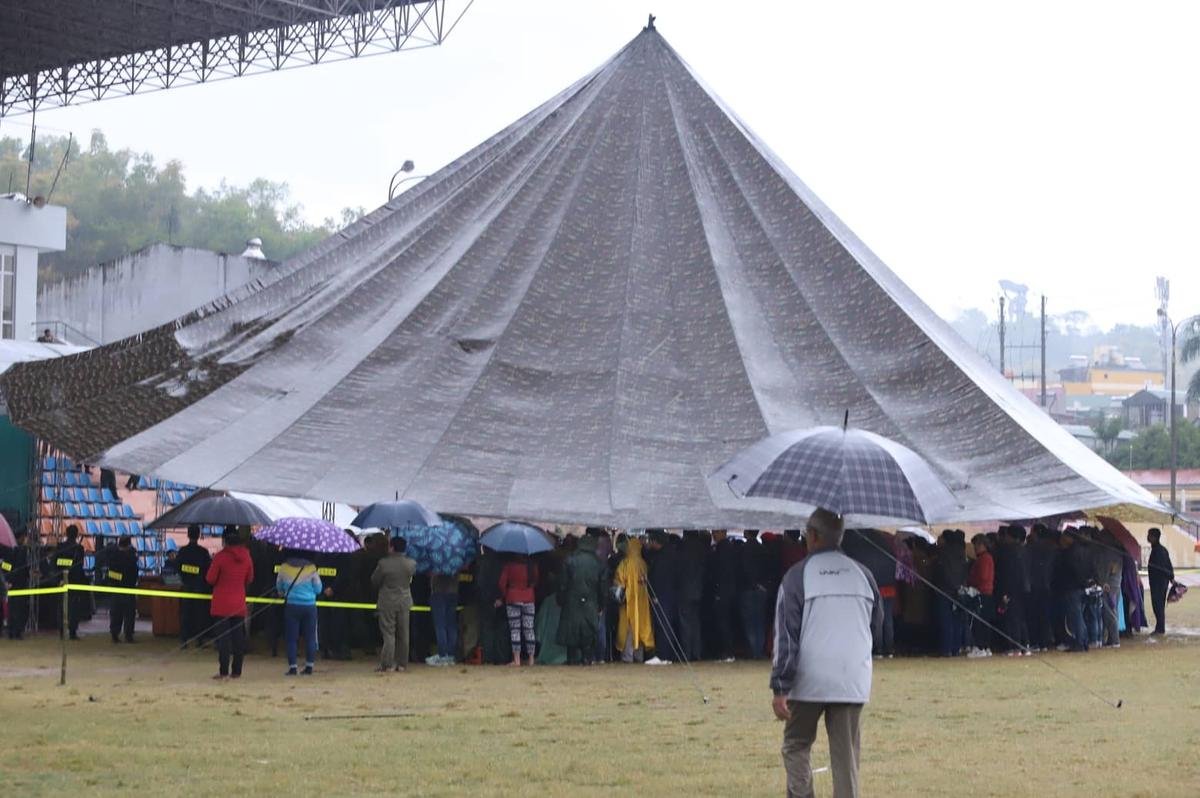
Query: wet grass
x=139, y=719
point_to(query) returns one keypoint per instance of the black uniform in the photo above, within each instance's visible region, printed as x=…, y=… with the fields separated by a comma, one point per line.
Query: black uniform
x=1162, y=574
x=15, y=566
x=333, y=623
x=726, y=568
x=193, y=561
x=693, y=553
x=68, y=558
x=122, y=572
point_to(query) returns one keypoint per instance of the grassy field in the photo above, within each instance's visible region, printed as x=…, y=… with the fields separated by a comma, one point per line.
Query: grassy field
x=140, y=719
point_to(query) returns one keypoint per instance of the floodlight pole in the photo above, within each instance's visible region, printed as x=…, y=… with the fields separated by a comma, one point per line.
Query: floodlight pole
x=1174, y=432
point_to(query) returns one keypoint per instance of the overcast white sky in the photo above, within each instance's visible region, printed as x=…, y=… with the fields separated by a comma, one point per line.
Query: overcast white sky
x=1054, y=144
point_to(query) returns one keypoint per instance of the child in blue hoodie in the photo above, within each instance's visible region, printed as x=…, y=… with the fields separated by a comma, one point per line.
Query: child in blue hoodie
x=300, y=585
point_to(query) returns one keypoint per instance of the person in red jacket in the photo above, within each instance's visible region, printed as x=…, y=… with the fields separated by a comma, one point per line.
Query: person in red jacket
x=518, y=582
x=229, y=574
x=982, y=577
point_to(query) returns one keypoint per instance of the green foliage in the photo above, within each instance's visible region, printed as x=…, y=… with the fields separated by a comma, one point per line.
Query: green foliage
x=118, y=201
x=1107, y=430
x=1152, y=448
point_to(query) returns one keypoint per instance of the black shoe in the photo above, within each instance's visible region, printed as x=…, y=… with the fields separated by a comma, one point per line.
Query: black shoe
x=308, y=671
x=290, y=672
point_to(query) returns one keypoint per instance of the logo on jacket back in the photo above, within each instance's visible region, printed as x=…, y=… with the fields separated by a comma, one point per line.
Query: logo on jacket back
x=834, y=572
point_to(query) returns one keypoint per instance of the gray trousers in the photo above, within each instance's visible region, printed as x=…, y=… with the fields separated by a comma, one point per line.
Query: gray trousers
x=393, y=626
x=841, y=724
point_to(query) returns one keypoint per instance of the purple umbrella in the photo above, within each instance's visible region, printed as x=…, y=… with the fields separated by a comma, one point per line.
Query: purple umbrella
x=308, y=534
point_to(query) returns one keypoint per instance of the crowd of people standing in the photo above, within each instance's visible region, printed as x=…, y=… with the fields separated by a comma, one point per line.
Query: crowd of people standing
x=653, y=597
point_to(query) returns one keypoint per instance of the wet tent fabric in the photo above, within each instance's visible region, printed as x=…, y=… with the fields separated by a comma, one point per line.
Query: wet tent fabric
x=576, y=321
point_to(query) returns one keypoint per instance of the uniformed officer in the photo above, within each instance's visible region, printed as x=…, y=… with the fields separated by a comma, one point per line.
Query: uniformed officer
x=122, y=572
x=67, y=560
x=192, y=562
x=16, y=566
x=332, y=623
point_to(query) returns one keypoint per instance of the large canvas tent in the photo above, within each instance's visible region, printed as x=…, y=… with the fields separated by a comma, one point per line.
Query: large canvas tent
x=576, y=321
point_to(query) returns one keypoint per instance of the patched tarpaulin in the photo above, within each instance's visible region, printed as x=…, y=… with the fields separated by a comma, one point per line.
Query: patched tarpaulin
x=576, y=321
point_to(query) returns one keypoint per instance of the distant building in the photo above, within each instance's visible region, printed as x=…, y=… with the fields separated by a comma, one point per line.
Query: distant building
x=142, y=290
x=1108, y=373
x=1087, y=436
x=1148, y=408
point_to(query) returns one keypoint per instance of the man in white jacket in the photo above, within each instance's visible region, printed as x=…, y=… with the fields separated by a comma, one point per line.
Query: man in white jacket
x=826, y=617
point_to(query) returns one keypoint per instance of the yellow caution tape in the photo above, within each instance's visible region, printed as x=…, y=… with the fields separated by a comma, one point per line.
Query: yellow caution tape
x=190, y=569
x=134, y=591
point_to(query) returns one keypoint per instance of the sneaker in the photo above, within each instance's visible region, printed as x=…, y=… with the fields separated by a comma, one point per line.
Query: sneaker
x=657, y=661
x=1027, y=653
x=1061, y=647
x=728, y=659
x=291, y=671
x=434, y=660
x=449, y=661
x=308, y=670
x=976, y=653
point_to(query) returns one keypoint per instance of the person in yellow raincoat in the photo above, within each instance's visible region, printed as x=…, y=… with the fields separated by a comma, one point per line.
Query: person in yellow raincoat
x=634, y=630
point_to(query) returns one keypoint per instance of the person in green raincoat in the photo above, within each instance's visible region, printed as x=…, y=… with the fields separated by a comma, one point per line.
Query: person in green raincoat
x=582, y=597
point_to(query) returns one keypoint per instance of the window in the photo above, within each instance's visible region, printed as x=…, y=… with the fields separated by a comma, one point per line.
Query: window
x=8, y=290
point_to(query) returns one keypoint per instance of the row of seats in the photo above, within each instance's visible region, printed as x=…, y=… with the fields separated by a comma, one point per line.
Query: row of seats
x=83, y=510
x=174, y=497
x=53, y=463
x=113, y=528
x=89, y=494
x=68, y=478
x=150, y=483
x=147, y=564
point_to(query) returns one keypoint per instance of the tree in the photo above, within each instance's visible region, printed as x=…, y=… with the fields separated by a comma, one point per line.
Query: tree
x=118, y=201
x=1108, y=431
x=1189, y=352
x=1151, y=449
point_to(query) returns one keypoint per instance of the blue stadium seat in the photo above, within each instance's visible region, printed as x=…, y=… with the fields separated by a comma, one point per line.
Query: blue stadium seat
x=108, y=528
x=49, y=494
x=106, y=495
x=127, y=512
x=48, y=478
x=171, y=545
x=69, y=510
x=121, y=527
x=92, y=494
x=92, y=527
x=49, y=463
x=135, y=527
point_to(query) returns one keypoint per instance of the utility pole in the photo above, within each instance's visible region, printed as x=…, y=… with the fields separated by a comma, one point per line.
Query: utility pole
x=1043, y=351
x=1001, y=334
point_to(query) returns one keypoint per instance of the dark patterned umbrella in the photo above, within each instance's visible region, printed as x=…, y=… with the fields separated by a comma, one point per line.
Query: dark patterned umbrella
x=395, y=515
x=308, y=534
x=516, y=538
x=444, y=548
x=848, y=471
x=213, y=510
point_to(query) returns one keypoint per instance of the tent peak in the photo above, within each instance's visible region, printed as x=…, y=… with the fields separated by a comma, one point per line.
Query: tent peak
x=650, y=24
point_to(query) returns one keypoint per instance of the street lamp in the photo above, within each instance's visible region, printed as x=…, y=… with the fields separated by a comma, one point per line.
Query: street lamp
x=1174, y=438
x=394, y=184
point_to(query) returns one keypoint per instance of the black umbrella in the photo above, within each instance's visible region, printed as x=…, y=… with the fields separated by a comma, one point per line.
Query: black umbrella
x=397, y=514
x=215, y=511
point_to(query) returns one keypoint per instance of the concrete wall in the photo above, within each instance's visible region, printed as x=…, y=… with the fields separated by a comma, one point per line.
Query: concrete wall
x=142, y=290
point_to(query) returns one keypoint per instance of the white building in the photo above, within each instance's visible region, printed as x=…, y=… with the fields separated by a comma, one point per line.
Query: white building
x=26, y=230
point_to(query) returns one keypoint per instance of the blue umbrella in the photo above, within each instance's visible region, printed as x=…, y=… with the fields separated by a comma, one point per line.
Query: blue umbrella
x=395, y=515
x=515, y=537
x=308, y=534
x=444, y=548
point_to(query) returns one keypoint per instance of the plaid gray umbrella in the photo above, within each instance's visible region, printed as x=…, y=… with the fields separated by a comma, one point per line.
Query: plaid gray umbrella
x=848, y=471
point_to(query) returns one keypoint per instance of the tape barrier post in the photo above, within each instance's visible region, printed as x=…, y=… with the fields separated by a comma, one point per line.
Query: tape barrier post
x=62, y=631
